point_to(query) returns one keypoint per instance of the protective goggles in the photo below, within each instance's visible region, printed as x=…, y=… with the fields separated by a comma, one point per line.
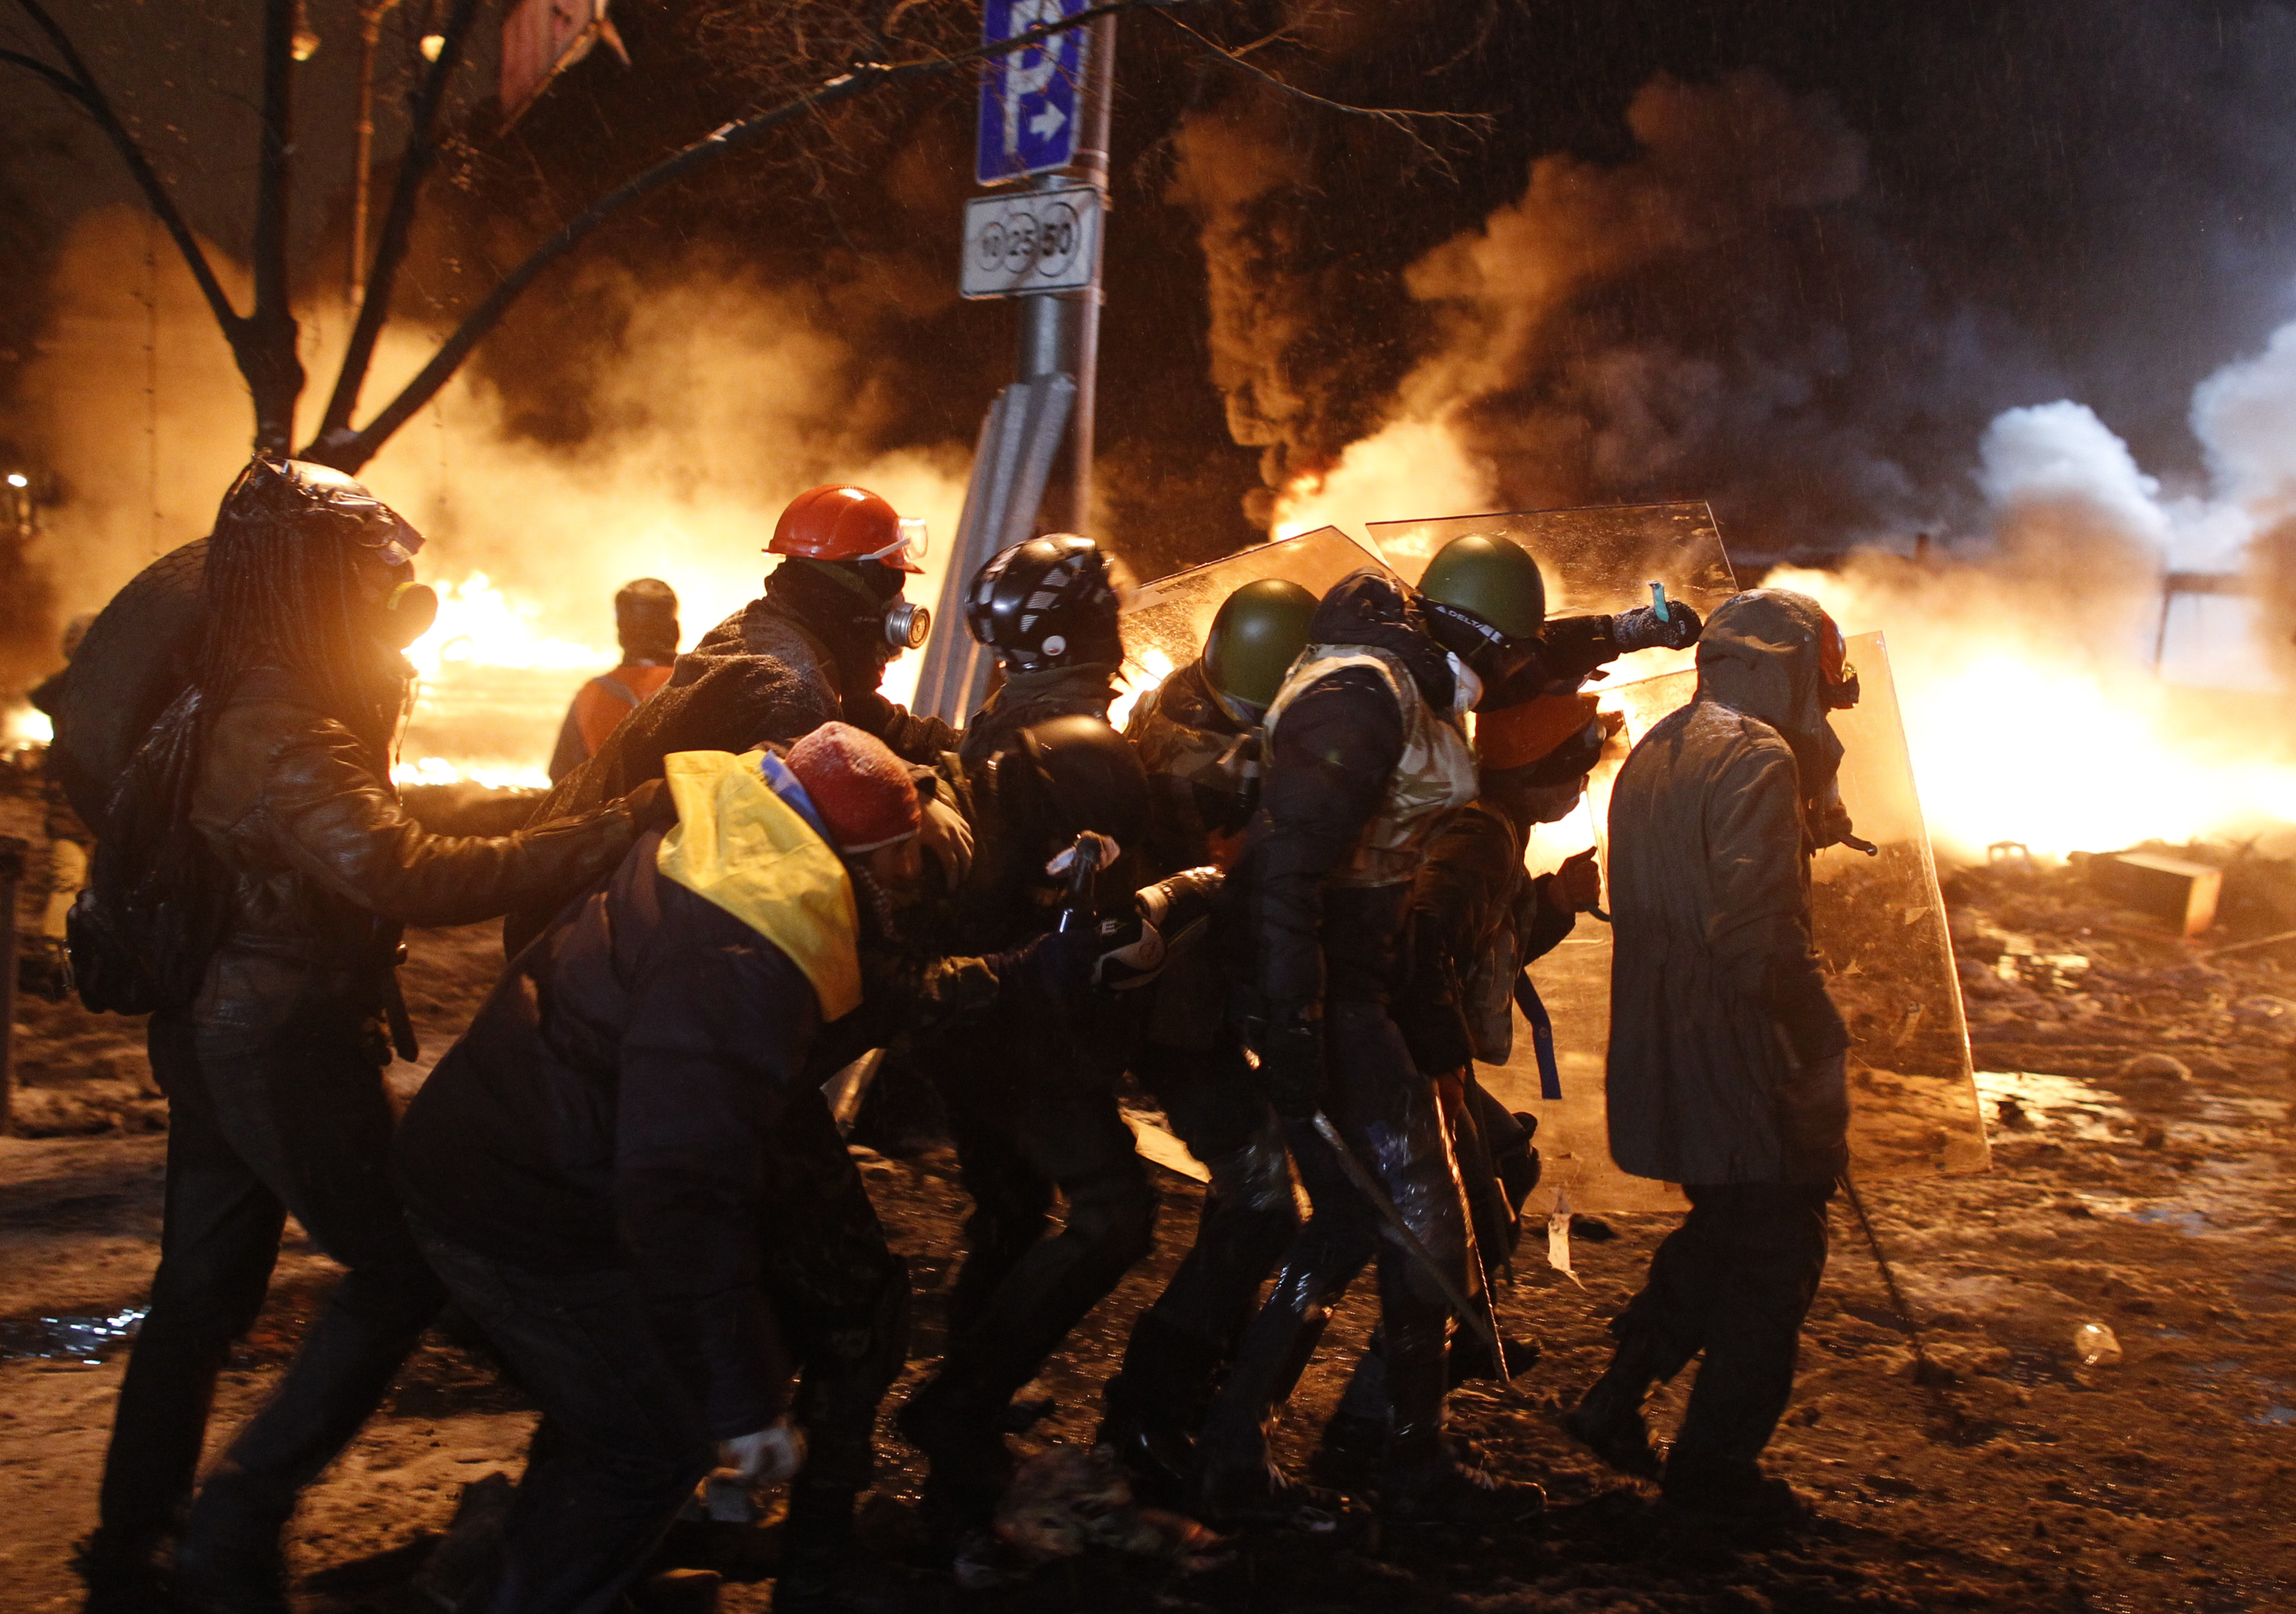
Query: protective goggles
x=914, y=543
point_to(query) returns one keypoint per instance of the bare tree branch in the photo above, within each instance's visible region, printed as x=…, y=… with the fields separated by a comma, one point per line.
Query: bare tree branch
x=421, y=152
x=62, y=82
x=348, y=450
x=266, y=352
x=1396, y=117
x=81, y=86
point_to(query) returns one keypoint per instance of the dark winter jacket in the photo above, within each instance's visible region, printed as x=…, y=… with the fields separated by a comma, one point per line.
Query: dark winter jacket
x=1329, y=759
x=1203, y=769
x=325, y=865
x=643, y=1085
x=1476, y=918
x=819, y=626
x=1720, y=1019
x=1028, y=698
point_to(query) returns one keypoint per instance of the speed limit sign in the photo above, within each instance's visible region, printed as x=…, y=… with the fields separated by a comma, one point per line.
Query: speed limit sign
x=1030, y=241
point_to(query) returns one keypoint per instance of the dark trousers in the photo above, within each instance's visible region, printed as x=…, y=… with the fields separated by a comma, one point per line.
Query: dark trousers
x=1026, y=1121
x=1734, y=1282
x=1250, y=1217
x=622, y=1441
x=1393, y=1120
x=282, y=1113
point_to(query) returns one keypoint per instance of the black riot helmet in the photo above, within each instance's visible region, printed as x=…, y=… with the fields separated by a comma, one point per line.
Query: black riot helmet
x=1067, y=774
x=1046, y=603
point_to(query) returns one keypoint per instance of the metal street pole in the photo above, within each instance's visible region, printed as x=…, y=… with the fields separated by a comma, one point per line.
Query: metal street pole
x=1084, y=354
x=371, y=16
x=12, y=874
x=1050, y=401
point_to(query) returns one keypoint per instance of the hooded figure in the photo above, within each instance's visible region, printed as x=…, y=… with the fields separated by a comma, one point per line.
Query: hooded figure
x=1726, y=1067
x=254, y=872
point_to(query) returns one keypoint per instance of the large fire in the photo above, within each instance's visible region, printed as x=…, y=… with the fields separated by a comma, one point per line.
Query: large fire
x=480, y=624
x=2035, y=712
x=2013, y=737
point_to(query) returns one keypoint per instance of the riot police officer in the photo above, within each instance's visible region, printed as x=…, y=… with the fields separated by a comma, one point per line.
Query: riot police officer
x=1198, y=736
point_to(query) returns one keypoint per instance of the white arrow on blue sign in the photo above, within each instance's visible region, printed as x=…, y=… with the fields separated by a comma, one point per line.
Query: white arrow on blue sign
x=1030, y=98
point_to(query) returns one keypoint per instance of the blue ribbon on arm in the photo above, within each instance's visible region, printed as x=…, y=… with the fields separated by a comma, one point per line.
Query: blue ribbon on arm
x=1542, y=1036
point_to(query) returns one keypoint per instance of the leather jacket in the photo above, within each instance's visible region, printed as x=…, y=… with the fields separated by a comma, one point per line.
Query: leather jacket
x=325, y=865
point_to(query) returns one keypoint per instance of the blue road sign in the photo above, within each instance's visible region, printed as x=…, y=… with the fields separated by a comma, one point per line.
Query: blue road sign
x=1031, y=99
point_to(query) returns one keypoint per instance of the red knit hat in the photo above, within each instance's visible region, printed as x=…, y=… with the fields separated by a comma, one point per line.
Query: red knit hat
x=861, y=789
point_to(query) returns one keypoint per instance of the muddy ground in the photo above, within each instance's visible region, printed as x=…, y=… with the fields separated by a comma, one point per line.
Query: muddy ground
x=2141, y=1106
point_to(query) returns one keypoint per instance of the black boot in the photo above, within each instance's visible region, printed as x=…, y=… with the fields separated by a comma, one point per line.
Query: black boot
x=962, y=1436
x=1608, y=1420
x=816, y=1545
x=1231, y=1497
x=1236, y=1482
x=1154, y=1405
x=229, y=1560
x=1354, y=1448
x=121, y=1574
x=1728, y=1495
x=1427, y=1478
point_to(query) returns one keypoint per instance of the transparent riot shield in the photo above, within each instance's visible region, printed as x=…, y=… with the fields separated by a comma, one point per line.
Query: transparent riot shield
x=1596, y=562
x=1880, y=924
x=1164, y=622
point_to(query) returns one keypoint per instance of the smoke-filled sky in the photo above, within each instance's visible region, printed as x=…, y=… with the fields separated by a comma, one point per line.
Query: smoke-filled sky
x=1792, y=257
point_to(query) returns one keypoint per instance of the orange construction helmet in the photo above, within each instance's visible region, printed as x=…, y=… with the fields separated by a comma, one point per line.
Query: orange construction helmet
x=1516, y=736
x=842, y=523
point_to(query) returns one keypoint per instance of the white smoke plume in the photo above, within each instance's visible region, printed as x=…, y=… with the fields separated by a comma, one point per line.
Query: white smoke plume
x=2053, y=693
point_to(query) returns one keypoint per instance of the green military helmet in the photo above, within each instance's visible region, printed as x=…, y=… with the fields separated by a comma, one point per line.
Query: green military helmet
x=1259, y=632
x=1491, y=578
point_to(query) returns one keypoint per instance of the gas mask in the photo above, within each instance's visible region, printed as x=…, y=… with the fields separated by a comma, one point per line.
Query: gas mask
x=905, y=624
x=408, y=614
x=1839, y=690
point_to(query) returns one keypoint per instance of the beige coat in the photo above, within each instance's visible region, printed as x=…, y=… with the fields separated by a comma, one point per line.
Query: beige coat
x=1718, y=1008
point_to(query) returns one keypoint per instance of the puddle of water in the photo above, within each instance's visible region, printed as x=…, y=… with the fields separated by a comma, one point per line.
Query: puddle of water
x=2282, y=1416
x=67, y=1338
x=2054, y=1104
x=2234, y=1190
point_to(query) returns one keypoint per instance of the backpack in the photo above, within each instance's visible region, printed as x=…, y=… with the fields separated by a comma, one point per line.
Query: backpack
x=141, y=934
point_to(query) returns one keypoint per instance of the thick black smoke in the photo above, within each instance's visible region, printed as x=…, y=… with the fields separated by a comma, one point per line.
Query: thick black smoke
x=1791, y=257
x=1812, y=254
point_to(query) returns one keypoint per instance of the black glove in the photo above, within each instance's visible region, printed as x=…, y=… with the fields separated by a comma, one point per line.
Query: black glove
x=651, y=806
x=1814, y=1120
x=1057, y=967
x=1291, y=1065
x=1641, y=630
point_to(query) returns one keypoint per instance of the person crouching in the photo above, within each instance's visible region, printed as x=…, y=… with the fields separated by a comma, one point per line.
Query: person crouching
x=593, y=1170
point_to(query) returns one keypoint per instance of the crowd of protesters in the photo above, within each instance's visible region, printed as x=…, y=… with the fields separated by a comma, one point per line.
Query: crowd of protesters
x=1287, y=906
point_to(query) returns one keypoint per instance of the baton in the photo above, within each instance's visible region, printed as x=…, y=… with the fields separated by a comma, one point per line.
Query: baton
x=1480, y=1320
